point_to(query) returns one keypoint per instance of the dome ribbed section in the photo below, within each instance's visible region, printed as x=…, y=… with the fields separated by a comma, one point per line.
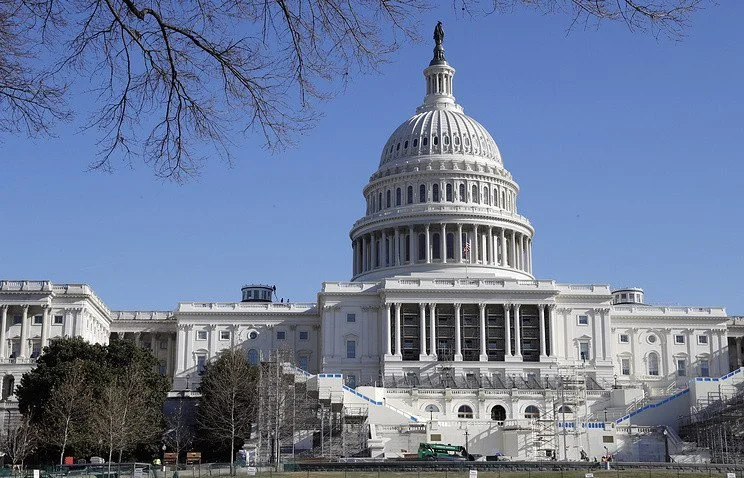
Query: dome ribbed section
x=439, y=132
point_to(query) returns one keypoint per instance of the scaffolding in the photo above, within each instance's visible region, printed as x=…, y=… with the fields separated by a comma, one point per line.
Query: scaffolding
x=571, y=411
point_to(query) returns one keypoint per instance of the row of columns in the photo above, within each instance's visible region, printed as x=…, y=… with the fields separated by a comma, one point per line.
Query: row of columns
x=495, y=245
x=25, y=350
x=546, y=323
x=474, y=193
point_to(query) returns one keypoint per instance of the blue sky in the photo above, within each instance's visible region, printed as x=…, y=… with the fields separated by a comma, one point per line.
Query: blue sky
x=628, y=150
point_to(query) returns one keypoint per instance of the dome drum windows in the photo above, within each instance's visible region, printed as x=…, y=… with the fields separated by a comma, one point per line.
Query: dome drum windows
x=398, y=196
x=435, y=192
x=422, y=193
x=387, y=198
x=449, y=196
x=475, y=197
x=410, y=195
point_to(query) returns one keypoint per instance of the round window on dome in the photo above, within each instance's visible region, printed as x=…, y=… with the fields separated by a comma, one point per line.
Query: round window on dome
x=446, y=140
x=253, y=335
x=457, y=140
x=651, y=339
x=435, y=141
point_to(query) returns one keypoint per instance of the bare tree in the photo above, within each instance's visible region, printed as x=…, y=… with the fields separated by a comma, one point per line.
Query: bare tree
x=21, y=441
x=123, y=416
x=229, y=400
x=66, y=411
x=174, y=77
x=178, y=435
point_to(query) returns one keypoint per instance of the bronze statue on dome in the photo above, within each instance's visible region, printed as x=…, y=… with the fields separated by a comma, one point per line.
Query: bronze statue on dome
x=438, y=33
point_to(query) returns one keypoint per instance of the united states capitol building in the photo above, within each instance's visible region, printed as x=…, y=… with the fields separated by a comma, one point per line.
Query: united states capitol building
x=443, y=333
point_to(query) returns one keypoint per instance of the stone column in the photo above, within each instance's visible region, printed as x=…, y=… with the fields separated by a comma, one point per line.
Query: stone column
x=737, y=339
x=365, y=259
x=517, y=332
x=443, y=243
x=503, y=248
x=459, y=243
x=354, y=261
x=373, y=251
x=189, y=344
x=513, y=245
x=398, y=331
x=604, y=314
x=3, y=331
x=384, y=250
x=542, y=327
x=432, y=330
x=483, y=351
x=491, y=255
x=552, y=331
x=529, y=256
x=507, y=329
x=45, y=319
x=24, y=332
x=67, y=327
x=427, y=243
x=422, y=331
x=412, y=247
x=181, y=346
x=388, y=332
x=458, y=334
x=212, y=344
x=722, y=358
x=397, y=247
x=169, y=357
x=474, y=247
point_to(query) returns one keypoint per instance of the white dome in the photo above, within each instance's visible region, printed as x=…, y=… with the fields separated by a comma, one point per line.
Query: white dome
x=440, y=131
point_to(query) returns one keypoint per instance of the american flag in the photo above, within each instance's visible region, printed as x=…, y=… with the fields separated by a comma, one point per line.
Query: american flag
x=466, y=249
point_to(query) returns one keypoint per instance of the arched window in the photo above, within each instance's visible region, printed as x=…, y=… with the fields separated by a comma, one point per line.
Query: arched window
x=653, y=364
x=486, y=196
x=464, y=412
x=435, y=192
x=415, y=142
x=448, y=189
x=476, y=199
x=422, y=247
x=462, y=193
x=252, y=357
x=495, y=197
x=498, y=413
x=565, y=409
x=431, y=409
x=379, y=201
x=425, y=141
x=422, y=193
x=531, y=412
x=398, y=198
x=387, y=198
x=436, y=246
x=410, y=195
x=450, y=245
x=446, y=139
x=405, y=145
x=435, y=141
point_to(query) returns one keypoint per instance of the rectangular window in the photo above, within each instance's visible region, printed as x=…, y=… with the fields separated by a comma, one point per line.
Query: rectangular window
x=350, y=317
x=36, y=350
x=162, y=369
x=702, y=340
x=38, y=319
x=583, y=320
x=163, y=345
x=681, y=368
x=17, y=319
x=351, y=349
x=281, y=335
x=304, y=334
x=201, y=362
x=224, y=335
x=704, y=368
x=625, y=366
x=624, y=339
x=201, y=335
x=679, y=339
x=583, y=350
x=59, y=319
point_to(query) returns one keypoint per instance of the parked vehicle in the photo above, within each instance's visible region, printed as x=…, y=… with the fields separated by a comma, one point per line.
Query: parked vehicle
x=438, y=451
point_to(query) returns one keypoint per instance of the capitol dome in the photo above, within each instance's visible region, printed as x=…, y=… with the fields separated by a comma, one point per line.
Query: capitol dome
x=441, y=201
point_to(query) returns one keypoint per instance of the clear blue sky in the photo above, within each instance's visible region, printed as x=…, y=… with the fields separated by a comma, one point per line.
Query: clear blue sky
x=629, y=153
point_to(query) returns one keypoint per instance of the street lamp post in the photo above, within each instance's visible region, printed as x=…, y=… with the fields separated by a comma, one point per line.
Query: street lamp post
x=163, y=463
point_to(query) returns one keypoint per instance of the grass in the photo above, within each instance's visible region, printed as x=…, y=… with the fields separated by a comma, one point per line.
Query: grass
x=494, y=474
